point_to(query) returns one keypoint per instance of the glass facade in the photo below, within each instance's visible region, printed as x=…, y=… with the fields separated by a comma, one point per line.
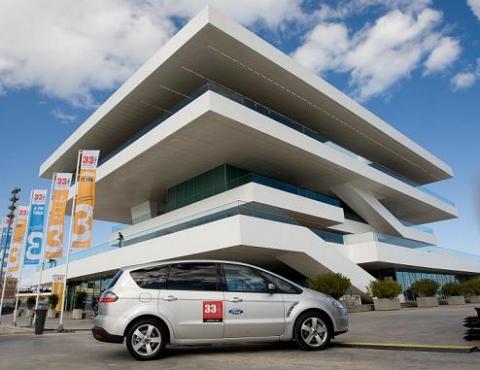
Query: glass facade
x=226, y=177
x=406, y=278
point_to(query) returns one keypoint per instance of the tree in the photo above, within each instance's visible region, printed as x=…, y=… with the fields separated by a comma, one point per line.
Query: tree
x=332, y=284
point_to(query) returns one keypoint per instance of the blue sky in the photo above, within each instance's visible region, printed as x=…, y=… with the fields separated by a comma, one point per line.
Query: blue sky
x=414, y=64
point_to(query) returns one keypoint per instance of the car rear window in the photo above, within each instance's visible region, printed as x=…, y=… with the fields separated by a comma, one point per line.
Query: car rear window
x=151, y=277
x=114, y=279
x=193, y=276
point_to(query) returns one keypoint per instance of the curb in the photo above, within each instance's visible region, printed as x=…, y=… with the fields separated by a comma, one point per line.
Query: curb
x=409, y=347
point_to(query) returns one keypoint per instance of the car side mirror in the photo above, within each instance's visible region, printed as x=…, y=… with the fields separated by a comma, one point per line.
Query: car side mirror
x=272, y=288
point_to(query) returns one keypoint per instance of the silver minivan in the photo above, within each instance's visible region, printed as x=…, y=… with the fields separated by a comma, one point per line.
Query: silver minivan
x=209, y=301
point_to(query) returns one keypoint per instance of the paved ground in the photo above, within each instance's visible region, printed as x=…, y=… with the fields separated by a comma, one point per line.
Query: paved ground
x=80, y=351
x=22, y=323
x=442, y=325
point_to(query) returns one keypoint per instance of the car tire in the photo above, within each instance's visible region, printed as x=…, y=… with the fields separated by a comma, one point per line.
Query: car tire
x=312, y=331
x=146, y=339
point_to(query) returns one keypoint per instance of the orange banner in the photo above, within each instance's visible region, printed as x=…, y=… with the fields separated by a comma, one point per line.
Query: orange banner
x=85, y=200
x=18, y=238
x=57, y=288
x=56, y=216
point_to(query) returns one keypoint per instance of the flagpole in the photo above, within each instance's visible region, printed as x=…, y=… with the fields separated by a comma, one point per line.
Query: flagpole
x=5, y=251
x=22, y=261
x=70, y=234
x=45, y=234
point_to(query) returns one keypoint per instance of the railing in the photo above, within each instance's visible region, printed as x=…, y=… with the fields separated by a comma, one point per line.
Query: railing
x=452, y=253
x=201, y=218
x=402, y=242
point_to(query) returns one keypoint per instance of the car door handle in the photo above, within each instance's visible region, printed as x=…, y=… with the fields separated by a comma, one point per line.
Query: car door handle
x=170, y=298
x=236, y=299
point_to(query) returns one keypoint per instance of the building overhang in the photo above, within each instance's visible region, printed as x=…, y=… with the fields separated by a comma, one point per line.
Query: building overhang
x=213, y=130
x=213, y=48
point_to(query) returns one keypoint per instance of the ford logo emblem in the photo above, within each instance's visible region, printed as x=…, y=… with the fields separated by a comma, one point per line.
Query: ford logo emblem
x=235, y=311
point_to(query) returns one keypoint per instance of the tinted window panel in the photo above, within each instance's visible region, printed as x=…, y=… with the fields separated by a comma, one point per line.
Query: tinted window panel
x=282, y=285
x=193, y=276
x=244, y=279
x=114, y=279
x=151, y=277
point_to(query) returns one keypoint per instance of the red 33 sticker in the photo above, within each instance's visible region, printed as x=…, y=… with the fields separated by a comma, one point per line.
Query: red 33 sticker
x=212, y=311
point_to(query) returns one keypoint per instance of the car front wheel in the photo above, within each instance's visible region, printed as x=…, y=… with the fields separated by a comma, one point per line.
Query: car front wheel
x=146, y=340
x=312, y=331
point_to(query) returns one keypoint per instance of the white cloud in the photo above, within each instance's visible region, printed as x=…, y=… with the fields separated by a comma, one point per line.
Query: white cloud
x=380, y=54
x=69, y=49
x=475, y=6
x=466, y=79
x=444, y=54
x=463, y=80
x=62, y=116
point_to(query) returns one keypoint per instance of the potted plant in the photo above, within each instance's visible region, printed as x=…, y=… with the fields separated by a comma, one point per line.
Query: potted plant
x=471, y=288
x=454, y=293
x=30, y=307
x=78, y=305
x=52, y=302
x=333, y=284
x=425, y=291
x=385, y=295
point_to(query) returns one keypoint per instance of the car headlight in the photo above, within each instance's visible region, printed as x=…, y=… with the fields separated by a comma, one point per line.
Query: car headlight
x=336, y=303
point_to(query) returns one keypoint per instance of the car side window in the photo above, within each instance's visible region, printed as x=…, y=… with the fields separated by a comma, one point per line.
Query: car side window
x=243, y=279
x=151, y=277
x=282, y=285
x=193, y=276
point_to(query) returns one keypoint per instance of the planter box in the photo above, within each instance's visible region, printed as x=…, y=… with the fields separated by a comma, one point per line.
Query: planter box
x=426, y=302
x=456, y=300
x=386, y=304
x=77, y=314
x=475, y=299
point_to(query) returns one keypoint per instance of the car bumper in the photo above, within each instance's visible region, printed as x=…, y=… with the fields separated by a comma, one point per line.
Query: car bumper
x=102, y=335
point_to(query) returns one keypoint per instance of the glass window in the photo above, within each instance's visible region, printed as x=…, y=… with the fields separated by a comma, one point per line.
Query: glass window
x=282, y=285
x=151, y=277
x=114, y=279
x=193, y=276
x=244, y=279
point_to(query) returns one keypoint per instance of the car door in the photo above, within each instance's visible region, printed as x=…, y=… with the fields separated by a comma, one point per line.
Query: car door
x=250, y=309
x=192, y=301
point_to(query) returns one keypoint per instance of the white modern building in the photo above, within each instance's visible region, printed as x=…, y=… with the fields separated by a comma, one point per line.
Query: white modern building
x=221, y=146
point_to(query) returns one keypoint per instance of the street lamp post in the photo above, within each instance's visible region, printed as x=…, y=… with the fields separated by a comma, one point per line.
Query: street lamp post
x=10, y=216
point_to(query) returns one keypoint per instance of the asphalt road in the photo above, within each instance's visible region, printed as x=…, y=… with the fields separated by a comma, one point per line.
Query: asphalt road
x=80, y=351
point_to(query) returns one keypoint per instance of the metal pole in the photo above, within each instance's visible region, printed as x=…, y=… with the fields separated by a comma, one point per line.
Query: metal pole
x=22, y=261
x=45, y=234
x=5, y=250
x=70, y=234
x=13, y=206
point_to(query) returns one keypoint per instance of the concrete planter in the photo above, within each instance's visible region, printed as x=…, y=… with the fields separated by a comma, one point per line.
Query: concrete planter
x=77, y=314
x=456, y=300
x=386, y=304
x=51, y=314
x=475, y=299
x=426, y=302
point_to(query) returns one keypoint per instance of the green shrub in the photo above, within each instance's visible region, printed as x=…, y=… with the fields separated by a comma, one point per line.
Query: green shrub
x=53, y=301
x=471, y=287
x=80, y=298
x=452, y=289
x=333, y=284
x=384, y=289
x=425, y=288
x=31, y=302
